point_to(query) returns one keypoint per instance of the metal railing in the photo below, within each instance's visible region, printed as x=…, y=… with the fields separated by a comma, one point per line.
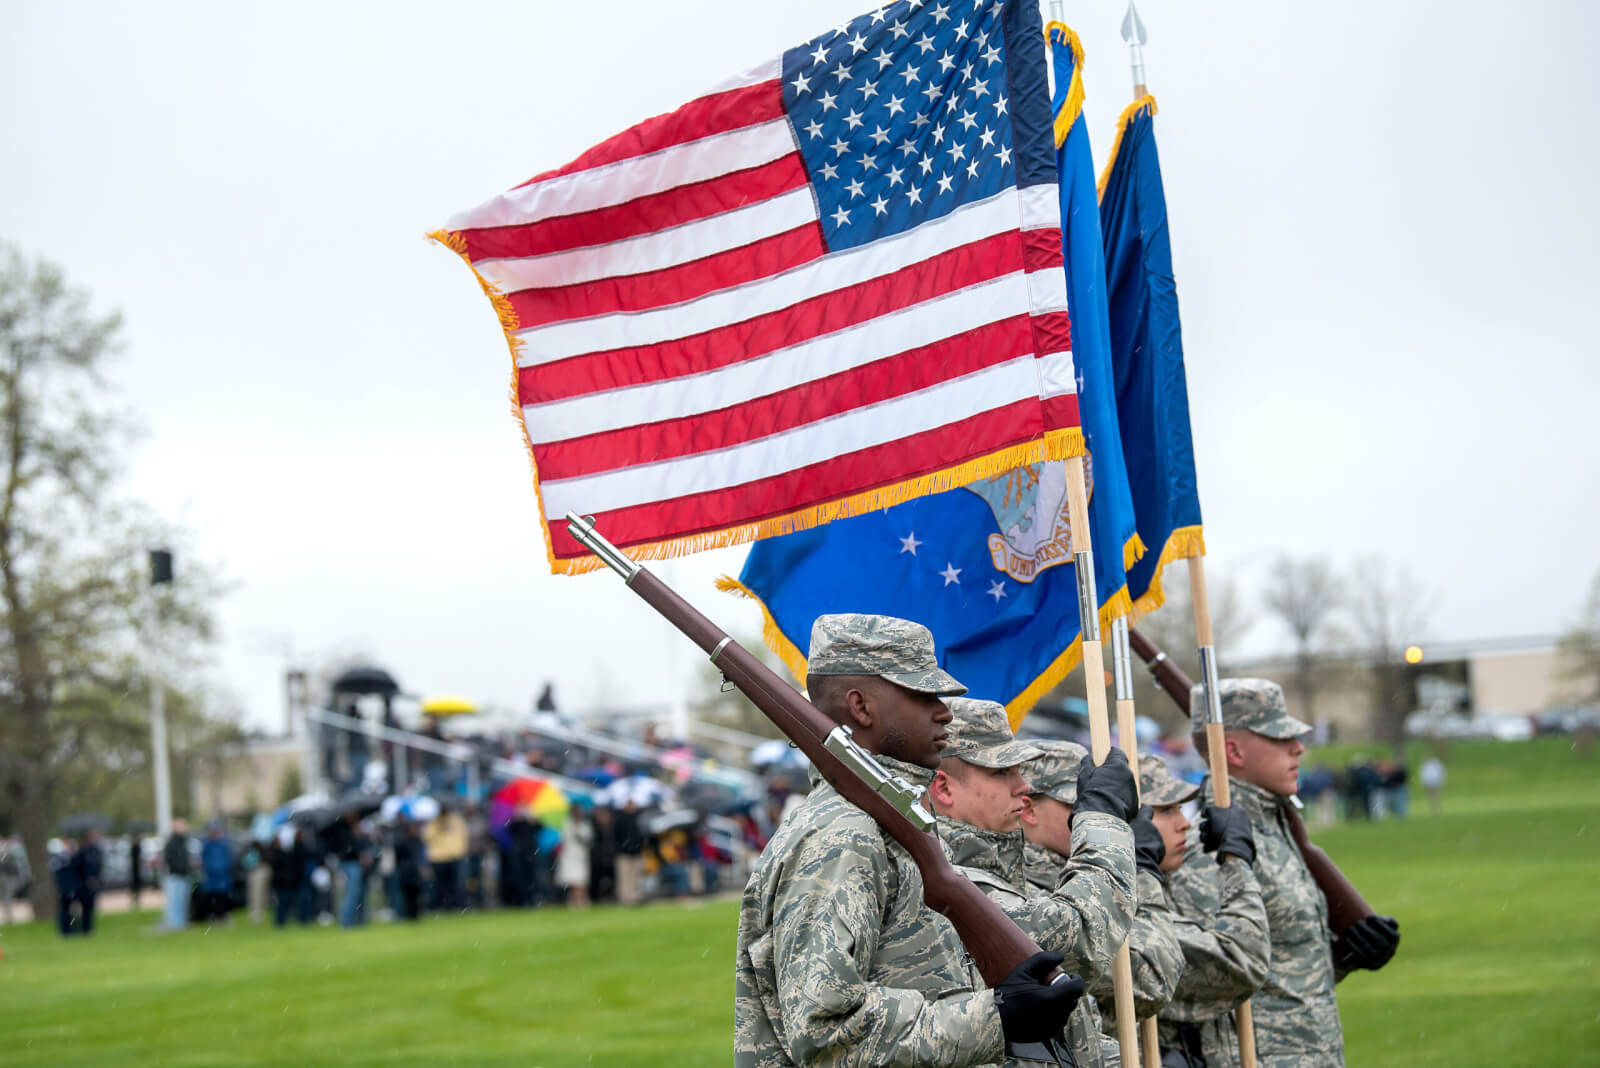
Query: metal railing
x=459, y=753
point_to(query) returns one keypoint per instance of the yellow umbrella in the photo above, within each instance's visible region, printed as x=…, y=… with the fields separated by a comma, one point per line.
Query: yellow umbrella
x=448, y=706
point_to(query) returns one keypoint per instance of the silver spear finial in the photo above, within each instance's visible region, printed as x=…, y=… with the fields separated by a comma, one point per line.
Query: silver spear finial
x=1133, y=32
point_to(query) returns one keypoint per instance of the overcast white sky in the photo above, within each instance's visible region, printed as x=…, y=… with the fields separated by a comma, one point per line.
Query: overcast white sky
x=1383, y=234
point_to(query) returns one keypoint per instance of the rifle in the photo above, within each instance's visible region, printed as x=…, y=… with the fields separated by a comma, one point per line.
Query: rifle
x=1346, y=906
x=997, y=945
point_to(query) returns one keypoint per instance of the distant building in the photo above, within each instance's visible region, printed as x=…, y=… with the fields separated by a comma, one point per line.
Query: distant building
x=246, y=779
x=1496, y=677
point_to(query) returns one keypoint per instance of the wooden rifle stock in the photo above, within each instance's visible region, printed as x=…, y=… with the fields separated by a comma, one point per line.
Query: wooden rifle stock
x=1346, y=906
x=997, y=945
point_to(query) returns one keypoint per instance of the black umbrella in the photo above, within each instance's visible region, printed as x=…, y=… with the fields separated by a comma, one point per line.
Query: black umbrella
x=704, y=797
x=362, y=804
x=83, y=822
x=366, y=680
x=316, y=818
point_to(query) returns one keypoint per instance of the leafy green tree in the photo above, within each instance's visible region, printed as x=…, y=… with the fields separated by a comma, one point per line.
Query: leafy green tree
x=73, y=580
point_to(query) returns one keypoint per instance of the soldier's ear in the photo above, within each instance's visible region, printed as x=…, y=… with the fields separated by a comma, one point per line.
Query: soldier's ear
x=858, y=707
x=939, y=790
x=1233, y=748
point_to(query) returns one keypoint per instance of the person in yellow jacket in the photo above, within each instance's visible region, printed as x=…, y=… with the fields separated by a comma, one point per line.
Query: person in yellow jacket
x=445, y=839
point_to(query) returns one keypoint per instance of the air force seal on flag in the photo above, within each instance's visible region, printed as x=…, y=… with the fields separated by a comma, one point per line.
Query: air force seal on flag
x=1030, y=508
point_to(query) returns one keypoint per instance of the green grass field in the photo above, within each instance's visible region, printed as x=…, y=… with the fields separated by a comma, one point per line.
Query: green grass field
x=1499, y=901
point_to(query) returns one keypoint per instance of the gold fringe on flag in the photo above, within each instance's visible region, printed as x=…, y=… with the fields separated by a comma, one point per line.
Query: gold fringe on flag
x=1072, y=107
x=1181, y=545
x=1127, y=116
x=1017, y=709
x=1057, y=445
x=510, y=327
x=775, y=638
x=1133, y=551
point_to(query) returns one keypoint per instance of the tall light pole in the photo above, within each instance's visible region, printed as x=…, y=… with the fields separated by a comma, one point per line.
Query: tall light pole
x=160, y=575
x=297, y=688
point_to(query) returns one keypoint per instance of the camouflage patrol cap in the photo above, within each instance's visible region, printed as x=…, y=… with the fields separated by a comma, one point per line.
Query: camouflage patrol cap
x=981, y=734
x=1248, y=704
x=1054, y=772
x=1158, y=787
x=893, y=649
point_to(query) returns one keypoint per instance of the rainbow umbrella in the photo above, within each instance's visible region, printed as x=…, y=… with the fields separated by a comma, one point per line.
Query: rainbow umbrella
x=532, y=797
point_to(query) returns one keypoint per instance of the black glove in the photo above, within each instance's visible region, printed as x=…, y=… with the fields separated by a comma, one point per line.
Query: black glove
x=1108, y=787
x=1226, y=832
x=1149, y=848
x=1032, y=1009
x=1369, y=943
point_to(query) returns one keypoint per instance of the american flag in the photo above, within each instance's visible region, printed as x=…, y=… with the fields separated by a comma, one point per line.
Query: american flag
x=829, y=285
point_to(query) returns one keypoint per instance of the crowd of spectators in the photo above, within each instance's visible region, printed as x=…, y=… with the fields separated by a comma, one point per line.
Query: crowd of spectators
x=358, y=868
x=347, y=860
x=1363, y=790
x=349, y=863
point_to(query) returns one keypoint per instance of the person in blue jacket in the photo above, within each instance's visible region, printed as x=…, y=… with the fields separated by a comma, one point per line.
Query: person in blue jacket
x=216, y=874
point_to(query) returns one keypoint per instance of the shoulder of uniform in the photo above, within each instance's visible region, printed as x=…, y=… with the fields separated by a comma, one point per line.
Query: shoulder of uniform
x=988, y=881
x=1101, y=830
x=826, y=821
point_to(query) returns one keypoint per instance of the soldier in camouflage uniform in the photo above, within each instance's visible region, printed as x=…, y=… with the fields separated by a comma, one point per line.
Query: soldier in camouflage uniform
x=839, y=961
x=1296, y=1012
x=1226, y=949
x=1156, y=959
x=1083, y=913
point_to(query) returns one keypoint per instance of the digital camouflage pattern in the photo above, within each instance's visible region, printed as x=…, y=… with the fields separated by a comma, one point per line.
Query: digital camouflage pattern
x=1054, y=772
x=1084, y=915
x=1157, y=786
x=1296, y=1014
x=1153, y=951
x=1042, y=867
x=1221, y=923
x=839, y=962
x=1248, y=704
x=893, y=649
x=981, y=734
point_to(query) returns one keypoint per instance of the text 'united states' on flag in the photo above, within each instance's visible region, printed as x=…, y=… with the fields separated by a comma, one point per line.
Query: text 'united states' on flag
x=832, y=284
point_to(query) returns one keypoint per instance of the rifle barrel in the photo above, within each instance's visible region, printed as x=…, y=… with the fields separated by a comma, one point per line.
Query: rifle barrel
x=996, y=943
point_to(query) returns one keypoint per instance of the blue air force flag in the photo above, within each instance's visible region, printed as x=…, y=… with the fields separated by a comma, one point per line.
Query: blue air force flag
x=1147, y=355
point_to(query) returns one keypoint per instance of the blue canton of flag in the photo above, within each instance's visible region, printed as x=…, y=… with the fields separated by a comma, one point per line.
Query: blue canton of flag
x=902, y=119
x=987, y=567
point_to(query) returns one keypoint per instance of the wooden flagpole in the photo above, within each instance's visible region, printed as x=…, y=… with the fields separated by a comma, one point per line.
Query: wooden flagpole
x=1094, y=684
x=1134, y=33
x=1217, y=756
x=1122, y=674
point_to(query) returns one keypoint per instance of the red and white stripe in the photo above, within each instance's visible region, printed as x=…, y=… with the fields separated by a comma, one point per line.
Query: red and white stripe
x=694, y=360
